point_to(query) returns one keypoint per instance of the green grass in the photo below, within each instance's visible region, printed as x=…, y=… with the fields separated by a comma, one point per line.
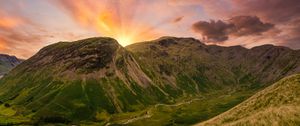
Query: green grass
x=278, y=104
x=14, y=121
x=196, y=111
x=7, y=111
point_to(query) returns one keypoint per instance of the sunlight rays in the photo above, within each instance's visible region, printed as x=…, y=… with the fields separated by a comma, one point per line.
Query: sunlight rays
x=117, y=19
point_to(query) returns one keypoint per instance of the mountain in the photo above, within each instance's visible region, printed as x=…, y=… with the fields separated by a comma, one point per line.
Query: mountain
x=267, y=63
x=258, y=66
x=79, y=80
x=98, y=80
x=7, y=63
x=278, y=104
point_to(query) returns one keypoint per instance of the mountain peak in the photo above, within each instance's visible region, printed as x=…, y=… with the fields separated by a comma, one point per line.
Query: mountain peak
x=87, y=54
x=84, y=42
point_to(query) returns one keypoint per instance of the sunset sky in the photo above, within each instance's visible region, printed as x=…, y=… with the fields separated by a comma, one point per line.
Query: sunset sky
x=28, y=25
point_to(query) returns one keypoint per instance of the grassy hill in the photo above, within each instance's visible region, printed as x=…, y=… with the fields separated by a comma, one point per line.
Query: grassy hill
x=276, y=105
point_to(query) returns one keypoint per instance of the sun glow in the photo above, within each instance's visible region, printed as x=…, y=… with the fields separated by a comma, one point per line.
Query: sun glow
x=119, y=23
x=124, y=40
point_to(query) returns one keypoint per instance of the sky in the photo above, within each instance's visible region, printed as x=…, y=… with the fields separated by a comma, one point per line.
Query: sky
x=26, y=26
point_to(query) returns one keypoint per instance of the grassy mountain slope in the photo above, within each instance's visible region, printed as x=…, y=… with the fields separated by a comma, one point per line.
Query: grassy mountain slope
x=276, y=105
x=260, y=61
x=241, y=66
x=182, y=63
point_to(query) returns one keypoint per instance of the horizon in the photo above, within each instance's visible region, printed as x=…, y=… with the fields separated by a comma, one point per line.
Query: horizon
x=28, y=26
x=208, y=44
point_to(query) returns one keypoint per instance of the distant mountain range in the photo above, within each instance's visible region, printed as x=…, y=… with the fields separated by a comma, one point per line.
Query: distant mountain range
x=8, y=62
x=97, y=81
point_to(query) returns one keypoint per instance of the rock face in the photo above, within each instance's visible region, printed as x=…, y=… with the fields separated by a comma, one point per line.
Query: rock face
x=75, y=81
x=7, y=63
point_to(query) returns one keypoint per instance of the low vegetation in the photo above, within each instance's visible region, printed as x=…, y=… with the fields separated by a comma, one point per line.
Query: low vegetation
x=275, y=105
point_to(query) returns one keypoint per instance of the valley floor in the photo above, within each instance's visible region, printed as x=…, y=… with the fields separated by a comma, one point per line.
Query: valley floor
x=186, y=111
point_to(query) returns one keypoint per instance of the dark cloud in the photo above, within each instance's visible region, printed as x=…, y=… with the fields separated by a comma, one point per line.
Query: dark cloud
x=213, y=31
x=248, y=25
x=219, y=31
x=178, y=19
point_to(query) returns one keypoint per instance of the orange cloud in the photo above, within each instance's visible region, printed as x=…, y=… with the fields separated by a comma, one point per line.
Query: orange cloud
x=6, y=22
x=178, y=19
x=15, y=38
x=2, y=45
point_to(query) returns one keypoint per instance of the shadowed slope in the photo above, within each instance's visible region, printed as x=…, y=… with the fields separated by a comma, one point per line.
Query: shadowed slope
x=7, y=63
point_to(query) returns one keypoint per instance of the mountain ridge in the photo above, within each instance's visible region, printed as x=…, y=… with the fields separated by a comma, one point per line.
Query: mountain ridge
x=166, y=37
x=253, y=52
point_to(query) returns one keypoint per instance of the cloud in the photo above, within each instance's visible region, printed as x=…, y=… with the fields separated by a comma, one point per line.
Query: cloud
x=8, y=21
x=248, y=25
x=213, y=31
x=17, y=36
x=14, y=41
x=23, y=30
x=22, y=37
x=271, y=10
x=282, y=13
x=178, y=19
x=128, y=21
x=219, y=31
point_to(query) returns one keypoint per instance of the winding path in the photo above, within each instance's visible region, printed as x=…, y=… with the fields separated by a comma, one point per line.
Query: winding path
x=149, y=113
